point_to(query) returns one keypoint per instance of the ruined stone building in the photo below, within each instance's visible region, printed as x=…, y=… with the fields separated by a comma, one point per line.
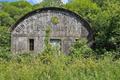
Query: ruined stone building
x=28, y=33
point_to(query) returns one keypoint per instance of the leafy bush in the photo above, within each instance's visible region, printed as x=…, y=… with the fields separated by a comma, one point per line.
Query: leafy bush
x=55, y=20
x=5, y=19
x=4, y=37
x=5, y=54
x=81, y=48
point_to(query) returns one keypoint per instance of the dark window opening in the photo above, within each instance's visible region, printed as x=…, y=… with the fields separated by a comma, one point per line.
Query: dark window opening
x=31, y=44
x=77, y=39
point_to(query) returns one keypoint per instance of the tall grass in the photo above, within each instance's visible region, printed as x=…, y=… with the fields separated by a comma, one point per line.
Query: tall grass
x=62, y=67
x=53, y=66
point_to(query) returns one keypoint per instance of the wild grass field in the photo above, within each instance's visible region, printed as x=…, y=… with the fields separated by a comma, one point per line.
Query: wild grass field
x=59, y=67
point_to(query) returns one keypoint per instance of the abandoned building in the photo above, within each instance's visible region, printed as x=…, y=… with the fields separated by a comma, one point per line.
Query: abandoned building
x=28, y=33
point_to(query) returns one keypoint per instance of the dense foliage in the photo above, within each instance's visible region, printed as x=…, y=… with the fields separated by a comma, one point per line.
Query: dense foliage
x=51, y=67
x=104, y=20
x=83, y=63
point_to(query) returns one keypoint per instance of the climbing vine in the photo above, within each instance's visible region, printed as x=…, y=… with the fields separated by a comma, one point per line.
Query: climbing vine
x=55, y=20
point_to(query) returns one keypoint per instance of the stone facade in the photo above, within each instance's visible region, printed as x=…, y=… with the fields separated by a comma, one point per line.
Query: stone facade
x=69, y=27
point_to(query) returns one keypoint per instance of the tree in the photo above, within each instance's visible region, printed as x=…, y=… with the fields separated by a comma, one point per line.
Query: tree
x=50, y=3
x=12, y=10
x=107, y=27
x=5, y=19
x=1, y=6
x=104, y=21
x=4, y=37
x=85, y=8
x=21, y=4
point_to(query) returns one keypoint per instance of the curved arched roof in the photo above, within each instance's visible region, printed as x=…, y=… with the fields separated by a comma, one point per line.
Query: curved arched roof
x=85, y=23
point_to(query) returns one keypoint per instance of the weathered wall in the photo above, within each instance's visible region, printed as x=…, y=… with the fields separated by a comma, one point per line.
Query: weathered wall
x=68, y=29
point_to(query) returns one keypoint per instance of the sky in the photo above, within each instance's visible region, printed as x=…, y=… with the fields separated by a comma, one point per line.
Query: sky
x=31, y=1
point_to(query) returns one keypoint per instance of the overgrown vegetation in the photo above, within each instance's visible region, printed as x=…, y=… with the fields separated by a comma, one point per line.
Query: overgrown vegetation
x=100, y=63
x=102, y=14
x=51, y=67
x=55, y=20
x=80, y=48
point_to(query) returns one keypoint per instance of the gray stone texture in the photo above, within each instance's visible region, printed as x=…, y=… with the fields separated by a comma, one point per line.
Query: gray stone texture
x=69, y=28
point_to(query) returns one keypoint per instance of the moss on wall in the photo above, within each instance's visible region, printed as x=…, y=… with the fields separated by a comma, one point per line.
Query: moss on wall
x=55, y=20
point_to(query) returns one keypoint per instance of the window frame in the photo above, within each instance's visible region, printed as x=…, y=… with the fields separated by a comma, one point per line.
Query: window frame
x=59, y=40
x=31, y=44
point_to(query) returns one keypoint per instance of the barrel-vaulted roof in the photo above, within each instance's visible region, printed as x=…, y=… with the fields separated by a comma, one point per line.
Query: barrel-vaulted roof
x=85, y=23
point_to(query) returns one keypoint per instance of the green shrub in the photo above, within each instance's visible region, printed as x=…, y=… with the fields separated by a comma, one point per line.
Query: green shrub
x=5, y=54
x=81, y=48
x=55, y=20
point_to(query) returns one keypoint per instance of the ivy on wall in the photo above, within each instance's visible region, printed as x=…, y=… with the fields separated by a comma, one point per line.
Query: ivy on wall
x=55, y=20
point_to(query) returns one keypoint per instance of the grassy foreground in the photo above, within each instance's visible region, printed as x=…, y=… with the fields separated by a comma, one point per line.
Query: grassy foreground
x=49, y=67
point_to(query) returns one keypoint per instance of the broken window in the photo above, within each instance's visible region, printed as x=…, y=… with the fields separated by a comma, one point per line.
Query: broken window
x=56, y=43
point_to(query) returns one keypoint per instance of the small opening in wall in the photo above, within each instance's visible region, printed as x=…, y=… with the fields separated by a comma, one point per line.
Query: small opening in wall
x=31, y=44
x=77, y=39
x=56, y=43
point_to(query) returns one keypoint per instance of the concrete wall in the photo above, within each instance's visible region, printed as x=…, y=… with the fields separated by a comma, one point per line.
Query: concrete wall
x=68, y=29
